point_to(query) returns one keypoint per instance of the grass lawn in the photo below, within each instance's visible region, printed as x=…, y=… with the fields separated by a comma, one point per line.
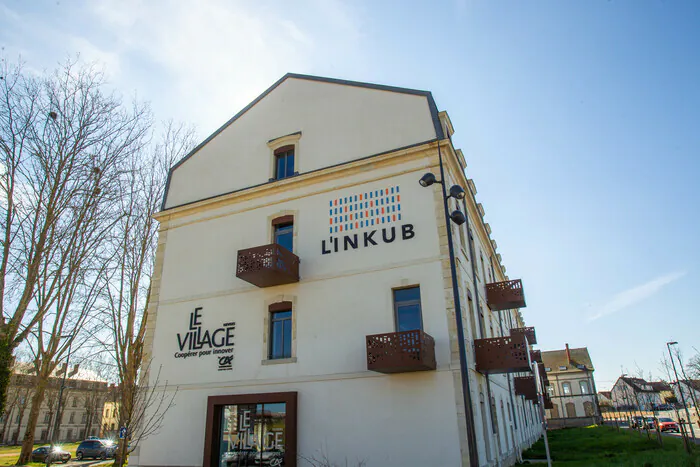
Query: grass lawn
x=604, y=445
x=9, y=454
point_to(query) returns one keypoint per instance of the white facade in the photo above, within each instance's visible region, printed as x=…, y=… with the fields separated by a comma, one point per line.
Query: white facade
x=690, y=392
x=636, y=393
x=350, y=140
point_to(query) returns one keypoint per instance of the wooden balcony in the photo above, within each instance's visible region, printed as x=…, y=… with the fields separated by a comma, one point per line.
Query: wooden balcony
x=501, y=355
x=526, y=386
x=528, y=332
x=505, y=295
x=400, y=352
x=547, y=401
x=267, y=265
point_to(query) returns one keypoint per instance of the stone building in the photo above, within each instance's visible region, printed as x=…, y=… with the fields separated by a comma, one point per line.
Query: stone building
x=81, y=410
x=572, y=388
x=303, y=297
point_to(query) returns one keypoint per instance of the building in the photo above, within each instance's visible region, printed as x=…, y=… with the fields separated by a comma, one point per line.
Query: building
x=572, y=388
x=605, y=399
x=665, y=391
x=635, y=393
x=80, y=412
x=303, y=292
x=690, y=389
x=110, y=419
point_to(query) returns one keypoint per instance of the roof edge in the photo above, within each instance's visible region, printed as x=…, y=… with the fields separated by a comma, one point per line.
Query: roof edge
x=434, y=113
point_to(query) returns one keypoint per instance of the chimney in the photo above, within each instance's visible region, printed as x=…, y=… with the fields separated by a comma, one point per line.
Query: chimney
x=568, y=354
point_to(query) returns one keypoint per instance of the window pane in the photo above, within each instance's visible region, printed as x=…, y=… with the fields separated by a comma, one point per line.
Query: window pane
x=403, y=295
x=284, y=235
x=281, y=334
x=290, y=164
x=279, y=171
x=287, y=347
x=276, y=340
x=408, y=318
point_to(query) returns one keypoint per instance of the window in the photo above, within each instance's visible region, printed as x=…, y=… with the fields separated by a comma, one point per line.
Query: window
x=570, y=410
x=69, y=434
x=75, y=402
x=112, y=427
x=280, y=331
x=44, y=435
x=483, y=269
x=584, y=387
x=84, y=418
x=284, y=162
x=258, y=429
x=547, y=368
x=562, y=368
x=566, y=388
x=284, y=233
x=47, y=418
x=407, y=310
x=72, y=418
x=550, y=390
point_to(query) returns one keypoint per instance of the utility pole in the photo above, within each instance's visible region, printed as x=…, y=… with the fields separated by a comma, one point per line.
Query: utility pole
x=680, y=389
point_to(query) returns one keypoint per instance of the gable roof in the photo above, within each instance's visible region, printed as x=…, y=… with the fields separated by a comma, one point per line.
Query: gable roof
x=555, y=358
x=378, y=87
x=660, y=386
x=638, y=384
x=693, y=383
x=607, y=394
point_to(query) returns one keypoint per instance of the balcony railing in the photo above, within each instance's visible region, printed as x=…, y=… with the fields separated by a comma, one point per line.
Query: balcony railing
x=528, y=332
x=525, y=386
x=543, y=375
x=400, y=352
x=547, y=401
x=505, y=295
x=501, y=355
x=267, y=265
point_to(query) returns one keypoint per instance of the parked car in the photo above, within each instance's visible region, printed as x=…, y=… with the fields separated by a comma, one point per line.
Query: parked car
x=95, y=448
x=636, y=422
x=650, y=423
x=668, y=424
x=42, y=454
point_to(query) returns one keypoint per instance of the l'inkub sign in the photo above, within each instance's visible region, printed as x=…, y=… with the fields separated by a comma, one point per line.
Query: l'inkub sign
x=356, y=220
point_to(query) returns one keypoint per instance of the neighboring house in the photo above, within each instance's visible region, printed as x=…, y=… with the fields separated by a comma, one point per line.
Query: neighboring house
x=665, y=391
x=605, y=399
x=303, y=297
x=690, y=389
x=110, y=420
x=572, y=388
x=635, y=393
x=81, y=408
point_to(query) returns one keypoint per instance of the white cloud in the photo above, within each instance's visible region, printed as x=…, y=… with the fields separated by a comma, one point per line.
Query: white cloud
x=633, y=295
x=212, y=57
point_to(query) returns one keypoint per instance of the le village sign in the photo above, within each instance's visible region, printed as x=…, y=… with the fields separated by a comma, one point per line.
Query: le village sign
x=199, y=342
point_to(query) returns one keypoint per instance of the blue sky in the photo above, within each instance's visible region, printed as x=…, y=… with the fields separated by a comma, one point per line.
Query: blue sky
x=580, y=122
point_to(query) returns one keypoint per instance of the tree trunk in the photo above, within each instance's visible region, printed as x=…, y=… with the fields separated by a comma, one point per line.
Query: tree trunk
x=126, y=410
x=28, y=441
x=6, y=362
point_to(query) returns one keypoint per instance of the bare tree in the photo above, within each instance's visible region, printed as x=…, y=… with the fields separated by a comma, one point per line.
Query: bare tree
x=79, y=156
x=62, y=139
x=129, y=280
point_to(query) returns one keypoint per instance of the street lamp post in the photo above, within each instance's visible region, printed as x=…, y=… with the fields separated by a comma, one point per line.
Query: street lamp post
x=458, y=218
x=680, y=389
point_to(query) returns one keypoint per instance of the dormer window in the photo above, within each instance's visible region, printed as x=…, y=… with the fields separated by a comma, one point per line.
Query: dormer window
x=284, y=162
